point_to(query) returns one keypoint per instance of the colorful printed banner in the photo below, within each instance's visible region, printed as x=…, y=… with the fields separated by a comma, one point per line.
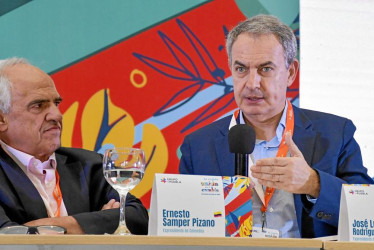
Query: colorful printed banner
x=135, y=74
x=238, y=206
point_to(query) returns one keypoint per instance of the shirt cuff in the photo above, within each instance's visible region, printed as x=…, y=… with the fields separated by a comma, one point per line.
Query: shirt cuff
x=311, y=199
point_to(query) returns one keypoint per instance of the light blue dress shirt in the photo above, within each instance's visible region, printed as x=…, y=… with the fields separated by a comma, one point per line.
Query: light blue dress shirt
x=281, y=214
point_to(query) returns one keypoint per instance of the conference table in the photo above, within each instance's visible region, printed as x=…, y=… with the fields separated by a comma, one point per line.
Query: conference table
x=112, y=242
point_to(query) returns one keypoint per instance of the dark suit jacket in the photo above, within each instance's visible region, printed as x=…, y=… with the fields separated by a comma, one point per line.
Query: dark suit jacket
x=327, y=144
x=84, y=191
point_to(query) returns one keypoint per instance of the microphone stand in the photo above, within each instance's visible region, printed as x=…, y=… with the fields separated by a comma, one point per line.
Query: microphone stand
x=241, y=164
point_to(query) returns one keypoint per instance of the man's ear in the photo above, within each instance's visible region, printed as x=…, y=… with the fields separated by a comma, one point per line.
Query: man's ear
x=292, y=72
x=3, y=122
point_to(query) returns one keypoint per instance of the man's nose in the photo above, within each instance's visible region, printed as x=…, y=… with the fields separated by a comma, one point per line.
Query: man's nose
x=54, y=113
x=253, y=80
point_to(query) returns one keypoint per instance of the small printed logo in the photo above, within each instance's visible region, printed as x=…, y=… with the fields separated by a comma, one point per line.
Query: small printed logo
x=170, y=180
x=210, y=187
x=358, y=192
x=209, y=184
x=210, y=190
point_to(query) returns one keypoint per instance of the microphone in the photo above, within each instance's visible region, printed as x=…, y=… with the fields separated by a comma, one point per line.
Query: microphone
x=242, y=139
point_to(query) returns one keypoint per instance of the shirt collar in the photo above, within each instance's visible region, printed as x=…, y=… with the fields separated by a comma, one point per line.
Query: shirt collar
x=25, y=158
x=279, y=131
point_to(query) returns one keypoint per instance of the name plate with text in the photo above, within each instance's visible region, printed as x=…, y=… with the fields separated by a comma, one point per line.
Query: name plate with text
x=187, y=205
x=356, y=216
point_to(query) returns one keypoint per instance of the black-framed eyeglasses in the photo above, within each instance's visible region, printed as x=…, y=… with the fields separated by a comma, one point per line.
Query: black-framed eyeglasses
x=46, y=230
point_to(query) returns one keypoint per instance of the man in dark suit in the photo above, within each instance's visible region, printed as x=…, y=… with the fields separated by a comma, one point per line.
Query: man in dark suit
x=40, y=182
x=303, y=183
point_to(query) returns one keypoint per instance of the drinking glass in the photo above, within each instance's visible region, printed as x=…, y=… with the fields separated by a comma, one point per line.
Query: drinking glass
x=123, y=169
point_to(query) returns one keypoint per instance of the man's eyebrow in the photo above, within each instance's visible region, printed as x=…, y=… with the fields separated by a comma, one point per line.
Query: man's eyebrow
x=58, y=99
x=37, y=101
x=268, y=63
x=239, y=63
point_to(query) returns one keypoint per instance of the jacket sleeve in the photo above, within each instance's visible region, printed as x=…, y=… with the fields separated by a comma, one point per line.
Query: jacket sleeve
x=106, y=221
x=185, y=163
x=100, y=192
x=349, y=169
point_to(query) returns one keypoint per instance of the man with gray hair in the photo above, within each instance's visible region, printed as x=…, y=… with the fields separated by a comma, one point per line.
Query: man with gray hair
x=301, y=157
x=41, y=182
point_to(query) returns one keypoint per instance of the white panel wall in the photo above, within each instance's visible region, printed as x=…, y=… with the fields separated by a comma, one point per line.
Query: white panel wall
x=337, y=64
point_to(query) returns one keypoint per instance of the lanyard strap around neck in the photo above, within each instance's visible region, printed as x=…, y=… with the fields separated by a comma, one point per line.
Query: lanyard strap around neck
x=282, y=151
x=57, y=194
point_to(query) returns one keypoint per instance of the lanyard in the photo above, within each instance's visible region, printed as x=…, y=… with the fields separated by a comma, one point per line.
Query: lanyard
x=282, y=152
x=57, y=194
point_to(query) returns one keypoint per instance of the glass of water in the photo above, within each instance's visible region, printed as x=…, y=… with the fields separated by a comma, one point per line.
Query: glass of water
x=123, y=169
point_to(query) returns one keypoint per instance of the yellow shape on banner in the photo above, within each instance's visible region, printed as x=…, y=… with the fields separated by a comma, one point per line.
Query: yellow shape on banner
x=153, y=139
x=68, y=123
x=121, y=134
x=245, y=229
x=141, y=74
x=244, y=183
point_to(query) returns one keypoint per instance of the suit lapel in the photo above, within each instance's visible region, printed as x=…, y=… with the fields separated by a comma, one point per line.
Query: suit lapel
x=304, y=137
x=29, y=198
x=73, y=185
x=225, y=157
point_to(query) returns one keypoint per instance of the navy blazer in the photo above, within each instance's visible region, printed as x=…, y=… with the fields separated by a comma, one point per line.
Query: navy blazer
x=327, y=144
x=84, y=192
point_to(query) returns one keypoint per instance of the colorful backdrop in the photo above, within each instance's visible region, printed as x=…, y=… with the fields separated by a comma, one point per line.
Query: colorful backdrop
x=135, y=73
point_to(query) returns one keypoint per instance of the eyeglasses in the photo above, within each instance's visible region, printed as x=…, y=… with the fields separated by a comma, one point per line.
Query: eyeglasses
x=33, y=230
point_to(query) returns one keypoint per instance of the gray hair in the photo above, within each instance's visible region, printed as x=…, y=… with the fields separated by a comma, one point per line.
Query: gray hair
x=265, y=24
x=5, y=84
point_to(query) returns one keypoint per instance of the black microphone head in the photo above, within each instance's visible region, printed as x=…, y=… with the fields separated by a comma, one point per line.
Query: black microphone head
x=242, y=139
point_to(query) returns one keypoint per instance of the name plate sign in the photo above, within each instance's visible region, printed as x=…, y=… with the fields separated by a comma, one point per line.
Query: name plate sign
x=187, y=205
x=356, y=216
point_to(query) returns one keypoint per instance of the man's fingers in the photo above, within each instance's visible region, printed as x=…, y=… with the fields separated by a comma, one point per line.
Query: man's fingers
x=292, y=148
x=272, y=184
x=268, y=177
x=267, y=169
x=273, y=161
x=111, y=204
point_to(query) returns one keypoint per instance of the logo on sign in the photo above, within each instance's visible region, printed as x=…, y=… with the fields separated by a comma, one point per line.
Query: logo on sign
x=358, y=192
x=210, y=187
x=209, y=183
x=170, y=180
